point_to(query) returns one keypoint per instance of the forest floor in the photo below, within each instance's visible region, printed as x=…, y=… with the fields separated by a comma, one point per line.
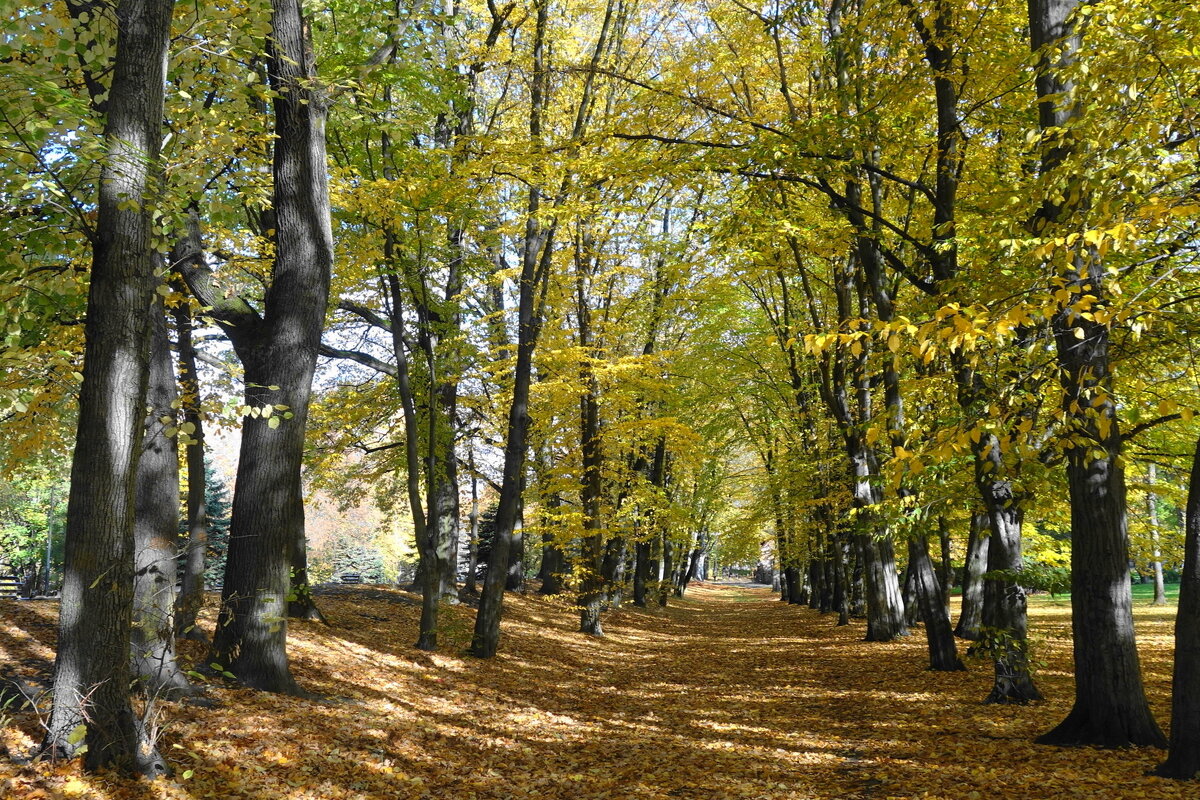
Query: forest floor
x=726, y=694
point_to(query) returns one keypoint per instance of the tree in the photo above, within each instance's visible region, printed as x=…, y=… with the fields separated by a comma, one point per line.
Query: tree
x=91, y=672
x=1110, y=704
x=278, y=350
x=1183, y=758
x=155, y=527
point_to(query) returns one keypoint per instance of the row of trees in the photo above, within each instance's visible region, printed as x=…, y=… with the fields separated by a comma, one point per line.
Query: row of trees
x=844, y=274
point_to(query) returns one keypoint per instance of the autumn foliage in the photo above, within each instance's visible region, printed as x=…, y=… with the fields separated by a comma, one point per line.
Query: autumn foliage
x=726, y=694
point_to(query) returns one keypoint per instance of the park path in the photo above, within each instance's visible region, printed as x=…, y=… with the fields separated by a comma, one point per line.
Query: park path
x=727, y=694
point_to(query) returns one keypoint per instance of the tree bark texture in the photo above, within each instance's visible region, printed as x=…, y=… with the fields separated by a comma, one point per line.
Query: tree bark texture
x=943, y=656
x=1110, y=703
x=1183, y=759
x=91, y=676
x=279, y=355
x=191, y=592
x=970, y=615
x=155, y=528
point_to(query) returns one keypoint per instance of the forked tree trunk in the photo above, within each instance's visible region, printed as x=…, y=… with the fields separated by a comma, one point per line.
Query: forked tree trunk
x=1183, y=760
x=97, y=596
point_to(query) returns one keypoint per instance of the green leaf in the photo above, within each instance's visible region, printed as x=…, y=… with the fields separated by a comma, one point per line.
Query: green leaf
x=76, y=735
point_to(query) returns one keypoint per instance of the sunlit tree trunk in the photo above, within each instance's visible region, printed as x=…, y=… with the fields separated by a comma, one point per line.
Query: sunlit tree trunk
x=970, y=616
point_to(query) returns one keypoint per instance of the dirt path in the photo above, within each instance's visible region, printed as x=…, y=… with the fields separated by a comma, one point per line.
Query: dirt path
x=727, y=694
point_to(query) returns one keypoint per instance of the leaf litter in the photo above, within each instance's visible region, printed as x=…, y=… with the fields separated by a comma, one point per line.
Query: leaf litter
x=725, y=694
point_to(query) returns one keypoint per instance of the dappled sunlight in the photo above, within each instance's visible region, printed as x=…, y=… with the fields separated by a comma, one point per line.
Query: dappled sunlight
x=726, y=694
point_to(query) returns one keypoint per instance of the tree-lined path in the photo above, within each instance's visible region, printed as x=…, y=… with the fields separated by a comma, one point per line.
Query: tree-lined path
x=727, y=693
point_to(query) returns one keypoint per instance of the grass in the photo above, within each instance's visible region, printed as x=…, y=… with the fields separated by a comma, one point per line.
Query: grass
x=1143, y=595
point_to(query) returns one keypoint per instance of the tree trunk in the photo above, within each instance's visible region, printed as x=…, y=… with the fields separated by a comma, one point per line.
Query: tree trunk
x=591, y=591
x=612, y=572
x=841, y=590
x=469, y=587
x=1004, y=631
x=641, y=573
x=881, y=590
x=945, y=569
x=448, y=529
x=554, y=565
x=97, y=596
x=668, y=567
x=1183, y=760
x=1160, y=590
x=514, y=580
x=791, y=579
x=279, y=355
x=912, y=613
x=942, y=654
x=971, y=614
x=156, y=529
x=191, y=593
x=885, y=607
x=1110, y=703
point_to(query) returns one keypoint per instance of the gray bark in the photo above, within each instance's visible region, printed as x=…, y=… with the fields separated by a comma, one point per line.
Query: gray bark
x=91, y=675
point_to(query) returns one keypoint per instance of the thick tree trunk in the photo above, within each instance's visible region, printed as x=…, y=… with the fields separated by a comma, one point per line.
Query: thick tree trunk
x=155, y=529
x=1110, y=703
x=191, y=592
x=266, y=534
x=268, y=512
x=1004, y=631
x=1183, y=760
x=928, y=594
x=97, y=595
x=971, y=614
x=885, y=606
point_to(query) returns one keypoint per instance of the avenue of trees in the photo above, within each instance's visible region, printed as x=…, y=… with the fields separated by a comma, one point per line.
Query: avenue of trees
x=895, y=294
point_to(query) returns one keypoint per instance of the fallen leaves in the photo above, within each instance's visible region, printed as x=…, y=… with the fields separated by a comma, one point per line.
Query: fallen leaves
x=728, y=694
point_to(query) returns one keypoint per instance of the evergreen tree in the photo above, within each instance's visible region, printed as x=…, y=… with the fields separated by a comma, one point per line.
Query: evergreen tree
x=216, y=506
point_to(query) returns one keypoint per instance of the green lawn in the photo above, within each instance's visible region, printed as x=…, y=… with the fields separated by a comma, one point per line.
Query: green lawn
x=1143, y=594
